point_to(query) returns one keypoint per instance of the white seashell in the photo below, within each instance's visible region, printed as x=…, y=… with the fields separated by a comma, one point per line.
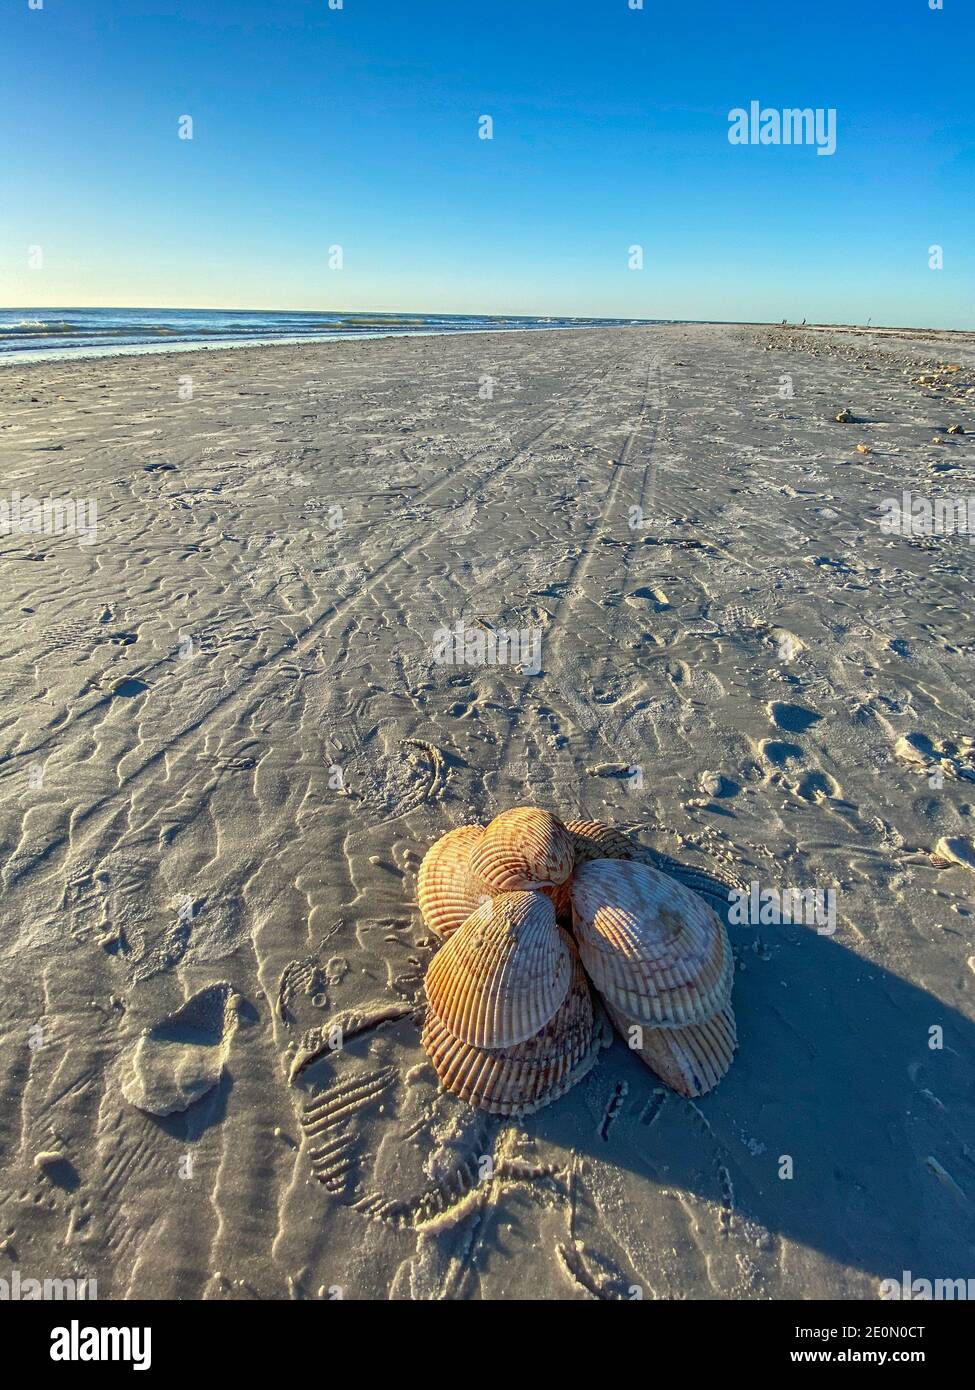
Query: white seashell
x=447, y=891
x=501, y=976
x=522, y=849
x=653, y=949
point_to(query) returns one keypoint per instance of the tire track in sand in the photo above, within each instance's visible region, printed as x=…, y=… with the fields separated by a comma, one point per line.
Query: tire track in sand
x=567, y=605
x=261, y=683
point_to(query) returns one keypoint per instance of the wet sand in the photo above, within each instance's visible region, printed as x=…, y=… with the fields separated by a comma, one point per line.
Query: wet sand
x=226, y=742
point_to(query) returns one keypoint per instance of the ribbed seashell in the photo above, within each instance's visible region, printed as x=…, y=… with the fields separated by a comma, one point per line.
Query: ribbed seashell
x=521, y=849
x=591, y=839
x=501, y=976
x=690, y=1060
x=446, y=889
x=651, y=947
x=521, y=1079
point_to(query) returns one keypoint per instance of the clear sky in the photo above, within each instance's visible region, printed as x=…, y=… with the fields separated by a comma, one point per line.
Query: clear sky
x=359, y=127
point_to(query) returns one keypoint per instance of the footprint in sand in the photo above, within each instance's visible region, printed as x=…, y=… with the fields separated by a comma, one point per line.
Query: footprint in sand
x=792, y=719
x=818, y=786
x=779, y=753
x=181, y=1058
x=657, y=599
x=381, y=1135
x=923, y=754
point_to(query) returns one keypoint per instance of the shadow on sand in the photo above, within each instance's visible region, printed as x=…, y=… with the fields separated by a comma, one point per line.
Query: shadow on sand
x=835, y=1070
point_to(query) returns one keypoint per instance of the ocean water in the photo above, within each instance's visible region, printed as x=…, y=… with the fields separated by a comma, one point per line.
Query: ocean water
x=32, y=334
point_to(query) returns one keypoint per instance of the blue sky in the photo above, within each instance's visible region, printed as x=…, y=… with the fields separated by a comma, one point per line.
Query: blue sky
x=359, y=127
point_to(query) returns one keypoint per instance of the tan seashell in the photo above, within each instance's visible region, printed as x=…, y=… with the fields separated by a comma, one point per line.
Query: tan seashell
x=521, y=1079
x=446, y=889
x=591, y=839
x=523, y=848
x=501, y=976
x=653, y=949
x=690, y=1060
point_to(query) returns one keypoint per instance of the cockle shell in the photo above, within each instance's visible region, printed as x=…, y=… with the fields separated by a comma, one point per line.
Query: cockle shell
x=523, y=1078
x=500, y=977
x=591, y=839
x=690, y=1060
x=521, y=849
x=446, y=889
x=653, y=949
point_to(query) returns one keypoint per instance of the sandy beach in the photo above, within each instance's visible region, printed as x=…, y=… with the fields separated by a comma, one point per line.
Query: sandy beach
x=229, y=733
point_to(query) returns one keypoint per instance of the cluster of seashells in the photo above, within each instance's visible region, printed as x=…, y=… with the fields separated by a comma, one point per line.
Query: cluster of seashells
x=533, y=913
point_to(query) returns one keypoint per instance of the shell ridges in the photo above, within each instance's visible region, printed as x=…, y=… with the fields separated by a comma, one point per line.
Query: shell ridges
x=521, y=849
x=502, y=975
x=690, y=1060
x=447, y=891
x=521, y=1079
x=653, y=949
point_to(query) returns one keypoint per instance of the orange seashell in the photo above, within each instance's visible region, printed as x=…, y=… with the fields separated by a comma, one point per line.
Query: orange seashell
x=446, y=889
x=523, y=1078
x=690, y=1060
x=501, y=976
x=591, y=839
x=594, y=839
x=653, y=949
x=522, y=849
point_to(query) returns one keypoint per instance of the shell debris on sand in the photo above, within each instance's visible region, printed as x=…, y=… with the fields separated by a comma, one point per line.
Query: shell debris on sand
x=511, y=1021
x=956, y=849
